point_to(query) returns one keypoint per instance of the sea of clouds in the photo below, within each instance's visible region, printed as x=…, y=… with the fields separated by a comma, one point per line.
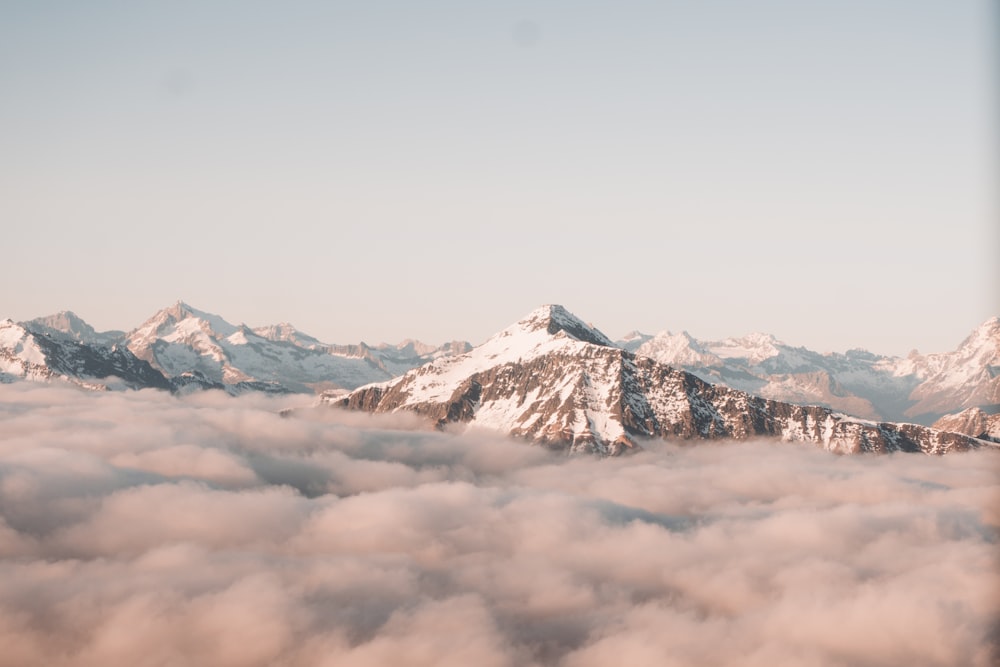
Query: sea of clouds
x=142, y=529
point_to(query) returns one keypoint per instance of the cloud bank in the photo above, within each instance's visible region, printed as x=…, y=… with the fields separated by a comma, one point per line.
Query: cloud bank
x=142, y=529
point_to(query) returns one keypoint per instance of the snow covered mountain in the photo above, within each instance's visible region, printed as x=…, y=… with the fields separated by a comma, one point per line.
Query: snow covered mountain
x=965, y=378
x=556, y=380
x=67, y=324
x=37, y=353
x=917, y=387
x=194, y=349
x=184, y=342
x=183, y=349
x=393, y=359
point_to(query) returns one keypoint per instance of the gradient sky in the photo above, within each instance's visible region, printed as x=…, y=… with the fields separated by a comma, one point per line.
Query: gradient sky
x=824, y=171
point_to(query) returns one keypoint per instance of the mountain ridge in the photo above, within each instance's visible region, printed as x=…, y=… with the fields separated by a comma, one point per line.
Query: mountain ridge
x=194, y=349
x=917, y=387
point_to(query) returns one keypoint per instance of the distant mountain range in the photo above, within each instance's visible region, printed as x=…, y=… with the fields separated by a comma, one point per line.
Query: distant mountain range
x=181, y=349
x=918, y=387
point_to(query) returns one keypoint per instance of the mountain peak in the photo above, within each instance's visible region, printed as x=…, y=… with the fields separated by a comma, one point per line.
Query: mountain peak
x=680, y=349
x=989, y=328
x=985, y=338
x=554, y=318
x=67, y=324
x=66, y=321
x=182, y=309
x=757, y=339
x=175, y=312
x=173, y=315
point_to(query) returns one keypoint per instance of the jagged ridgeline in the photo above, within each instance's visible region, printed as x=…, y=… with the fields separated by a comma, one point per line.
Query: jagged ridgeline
x=556, y=380
x=185, y=349
x=551, y=378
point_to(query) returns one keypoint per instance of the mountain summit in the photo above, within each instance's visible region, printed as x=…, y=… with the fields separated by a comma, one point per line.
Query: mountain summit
x=554, y=318
x=553, y=379
x=67, y=324
x=965, y=378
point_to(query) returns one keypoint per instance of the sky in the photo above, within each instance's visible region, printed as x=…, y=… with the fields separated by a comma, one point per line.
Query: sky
x=826, y=172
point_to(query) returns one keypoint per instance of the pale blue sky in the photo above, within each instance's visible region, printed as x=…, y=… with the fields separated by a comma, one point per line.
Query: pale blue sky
x=825, y=171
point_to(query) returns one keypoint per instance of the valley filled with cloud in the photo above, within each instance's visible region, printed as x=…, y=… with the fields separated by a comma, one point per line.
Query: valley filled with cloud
x=139, y=528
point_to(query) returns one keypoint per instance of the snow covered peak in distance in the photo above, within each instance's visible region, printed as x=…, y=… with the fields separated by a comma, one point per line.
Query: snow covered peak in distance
x=968, y=377
x=180, y=339
x=204, y=350
x=67, y=324
x=677, y=350
x=755, y=347
x=180, y=320
x=632, y=340
x=185, y=342
x=915, y=388
x=288, y=333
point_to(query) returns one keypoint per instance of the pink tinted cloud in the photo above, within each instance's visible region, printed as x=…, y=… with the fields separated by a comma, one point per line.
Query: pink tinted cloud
x=145, y=530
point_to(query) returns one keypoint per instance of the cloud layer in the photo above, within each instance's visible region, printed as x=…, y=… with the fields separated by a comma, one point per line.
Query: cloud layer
x=142, y=529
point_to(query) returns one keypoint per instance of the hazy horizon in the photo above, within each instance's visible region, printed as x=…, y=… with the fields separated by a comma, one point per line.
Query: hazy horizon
x=614, y=335
x=385, y=171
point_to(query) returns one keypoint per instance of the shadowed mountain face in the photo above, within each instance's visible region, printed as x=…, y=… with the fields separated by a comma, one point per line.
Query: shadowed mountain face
x=34, y=353
x=555, y=380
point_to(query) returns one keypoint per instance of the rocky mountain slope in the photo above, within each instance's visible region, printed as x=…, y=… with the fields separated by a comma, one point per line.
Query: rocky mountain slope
x=918, y=387
x=554, y=379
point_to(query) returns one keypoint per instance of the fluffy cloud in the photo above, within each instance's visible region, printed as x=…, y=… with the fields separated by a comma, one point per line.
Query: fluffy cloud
x=142, y=529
